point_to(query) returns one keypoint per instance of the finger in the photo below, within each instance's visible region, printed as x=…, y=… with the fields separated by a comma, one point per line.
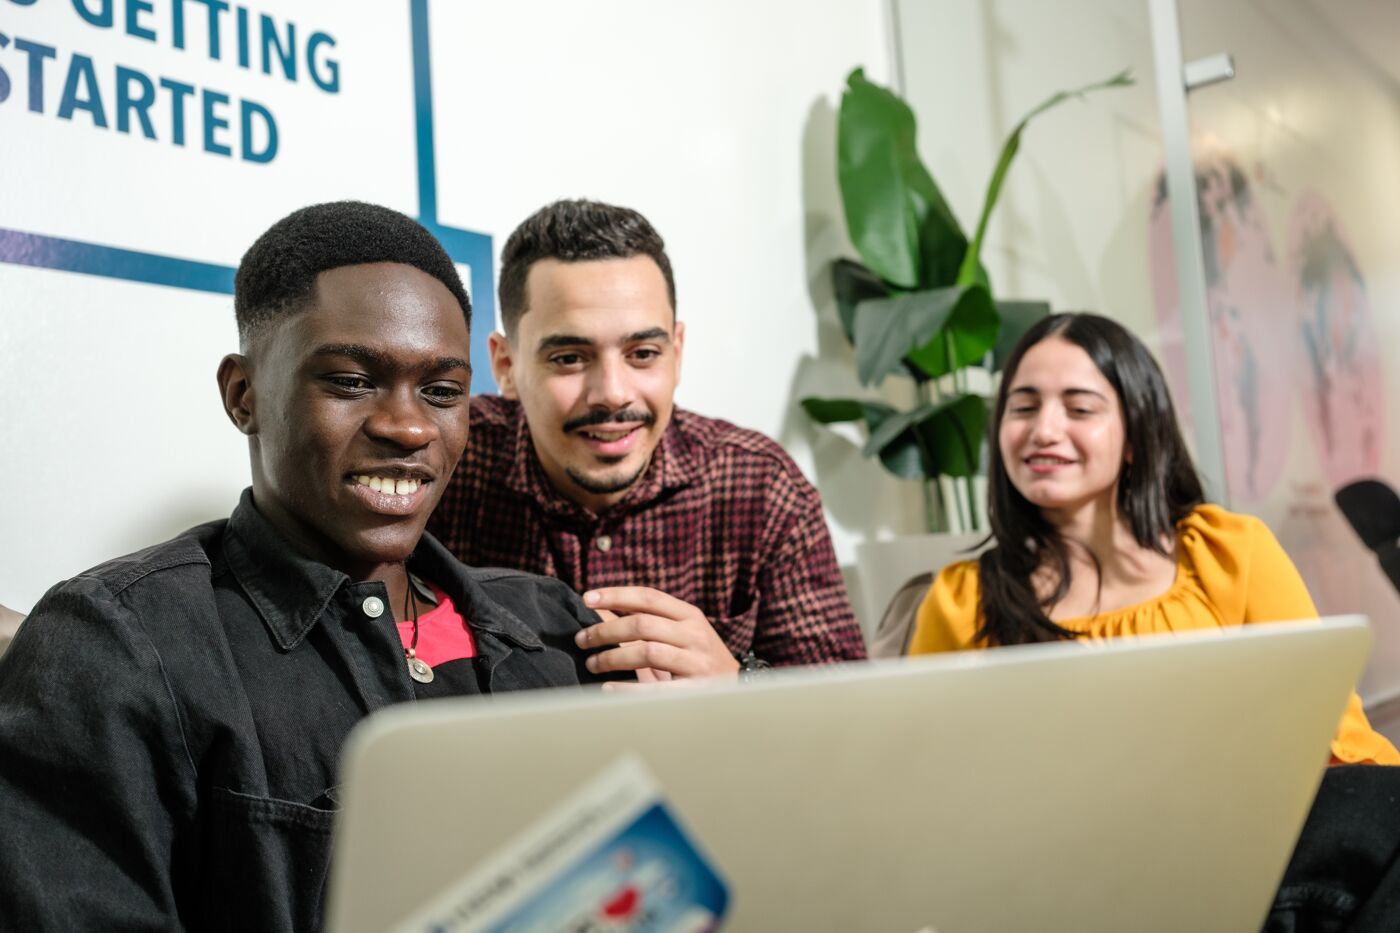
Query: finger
x=636, y=655
x=640, y=627
x=632, y=599
x=647, y=675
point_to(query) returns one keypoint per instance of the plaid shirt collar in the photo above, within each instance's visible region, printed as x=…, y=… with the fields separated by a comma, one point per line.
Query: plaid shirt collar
x=673, y=466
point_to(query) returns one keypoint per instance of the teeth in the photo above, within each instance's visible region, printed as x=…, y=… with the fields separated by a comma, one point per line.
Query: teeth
x=389, y=485
x=607, y=435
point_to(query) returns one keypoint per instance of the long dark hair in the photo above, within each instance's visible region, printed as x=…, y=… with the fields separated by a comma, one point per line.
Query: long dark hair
x=1158, y=489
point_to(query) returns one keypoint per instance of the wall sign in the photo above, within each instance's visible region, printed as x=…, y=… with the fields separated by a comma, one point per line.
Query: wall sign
x=53, y=78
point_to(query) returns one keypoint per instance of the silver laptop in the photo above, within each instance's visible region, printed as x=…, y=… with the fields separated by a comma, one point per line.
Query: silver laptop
x=1156, y=783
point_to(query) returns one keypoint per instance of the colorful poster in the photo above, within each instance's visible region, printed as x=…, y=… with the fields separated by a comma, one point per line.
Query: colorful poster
x=1340, y=387
x=1250, y=324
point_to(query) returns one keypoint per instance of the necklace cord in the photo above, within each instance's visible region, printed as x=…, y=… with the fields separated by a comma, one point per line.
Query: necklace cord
x=410, y=605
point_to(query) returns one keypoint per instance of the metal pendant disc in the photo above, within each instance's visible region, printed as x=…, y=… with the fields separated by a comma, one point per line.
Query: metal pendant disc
x=420, y=671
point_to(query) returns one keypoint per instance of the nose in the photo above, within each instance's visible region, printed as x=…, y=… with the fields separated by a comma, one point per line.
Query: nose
x=1048, y=426
x=610, y=384
x=400, y=419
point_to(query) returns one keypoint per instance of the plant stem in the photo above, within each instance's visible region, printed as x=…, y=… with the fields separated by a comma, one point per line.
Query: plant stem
x=960, y=497
x=935, y=518
x=935, y=509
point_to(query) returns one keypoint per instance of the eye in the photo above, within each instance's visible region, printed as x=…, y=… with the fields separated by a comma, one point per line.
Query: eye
x=1022, y=409
x=444, y=394
x=646, y=354
x=349, y=383
x=566, y=360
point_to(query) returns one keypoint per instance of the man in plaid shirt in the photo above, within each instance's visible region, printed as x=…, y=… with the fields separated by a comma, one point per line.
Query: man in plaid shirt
x=699, y=542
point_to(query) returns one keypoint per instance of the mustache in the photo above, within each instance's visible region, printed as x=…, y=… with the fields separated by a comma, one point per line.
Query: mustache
x=599, y=416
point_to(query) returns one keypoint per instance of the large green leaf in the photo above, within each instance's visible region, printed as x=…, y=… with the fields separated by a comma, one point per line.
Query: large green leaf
x=942, y=246
x=900, y=459
x=853, y=284
x=900, y=456
x=944, y=438
x=970, y=331
x=887, y=329
x=957, y=434
x=972, y=260
x=903, y=458
x=1017, y=317
x=917, y=326
x=835, y=410
x=898, y=219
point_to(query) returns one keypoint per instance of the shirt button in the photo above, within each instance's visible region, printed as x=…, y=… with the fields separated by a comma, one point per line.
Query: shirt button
x=603, y=543
x=373, y=606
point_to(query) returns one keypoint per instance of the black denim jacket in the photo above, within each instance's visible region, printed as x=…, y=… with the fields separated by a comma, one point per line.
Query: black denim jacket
x=170, y=724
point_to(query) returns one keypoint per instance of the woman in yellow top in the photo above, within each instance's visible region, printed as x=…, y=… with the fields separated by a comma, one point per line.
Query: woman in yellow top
x=1099, y=519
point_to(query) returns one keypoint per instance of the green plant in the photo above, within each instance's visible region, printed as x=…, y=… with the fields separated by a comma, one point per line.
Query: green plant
x=920, y=304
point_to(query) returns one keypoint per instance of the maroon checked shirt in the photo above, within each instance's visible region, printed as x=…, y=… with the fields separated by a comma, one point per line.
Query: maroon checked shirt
x=722, y=519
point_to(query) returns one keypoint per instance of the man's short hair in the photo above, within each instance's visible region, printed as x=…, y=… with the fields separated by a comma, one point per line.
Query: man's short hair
x=278, y=273
x=575, y=231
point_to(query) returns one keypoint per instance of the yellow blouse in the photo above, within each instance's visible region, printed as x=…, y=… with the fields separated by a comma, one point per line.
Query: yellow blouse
x=1230, y=570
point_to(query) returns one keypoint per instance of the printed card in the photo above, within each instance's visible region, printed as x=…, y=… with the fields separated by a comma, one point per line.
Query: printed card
x=612, y=857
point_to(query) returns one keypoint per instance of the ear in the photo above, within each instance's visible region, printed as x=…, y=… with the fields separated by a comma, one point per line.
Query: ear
x=502, y=363
x=678, y=341
x=236, y=389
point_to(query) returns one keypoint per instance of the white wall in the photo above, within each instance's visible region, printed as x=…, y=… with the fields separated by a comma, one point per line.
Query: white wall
x=714, y=119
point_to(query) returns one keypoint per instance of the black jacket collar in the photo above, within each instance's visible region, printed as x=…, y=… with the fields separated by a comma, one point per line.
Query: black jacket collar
x=291, y=591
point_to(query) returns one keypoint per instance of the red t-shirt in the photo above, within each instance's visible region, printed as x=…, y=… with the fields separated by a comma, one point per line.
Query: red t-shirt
x=443, y=633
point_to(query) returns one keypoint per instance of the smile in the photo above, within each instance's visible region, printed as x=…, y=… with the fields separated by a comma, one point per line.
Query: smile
x=389, y=485
x=607, y=436
x=612, y=440
x=389, y=495
x=1046, y=464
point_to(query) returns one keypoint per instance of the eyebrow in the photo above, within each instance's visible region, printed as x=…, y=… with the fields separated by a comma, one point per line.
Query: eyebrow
x=1032, y=390
x=371, y=358
x=556, y=341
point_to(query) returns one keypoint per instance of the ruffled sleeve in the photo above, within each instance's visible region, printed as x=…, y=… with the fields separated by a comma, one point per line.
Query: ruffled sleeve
x=1241, y=568
x=947, y=619
x=1246, y=575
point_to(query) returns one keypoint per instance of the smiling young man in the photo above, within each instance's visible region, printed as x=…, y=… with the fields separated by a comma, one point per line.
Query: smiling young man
x=170, y=721
x=701, y=542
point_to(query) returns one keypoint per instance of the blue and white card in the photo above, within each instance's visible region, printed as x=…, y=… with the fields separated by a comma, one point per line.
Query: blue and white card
x=612, y=858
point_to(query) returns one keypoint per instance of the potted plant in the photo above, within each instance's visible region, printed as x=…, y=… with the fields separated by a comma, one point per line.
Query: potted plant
x=919, y=304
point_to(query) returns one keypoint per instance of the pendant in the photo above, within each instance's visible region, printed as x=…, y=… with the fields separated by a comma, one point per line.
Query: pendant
x=420, y=671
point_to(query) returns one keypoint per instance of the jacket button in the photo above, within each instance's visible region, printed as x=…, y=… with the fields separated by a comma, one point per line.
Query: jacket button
x=603, y=543
x=373, y=606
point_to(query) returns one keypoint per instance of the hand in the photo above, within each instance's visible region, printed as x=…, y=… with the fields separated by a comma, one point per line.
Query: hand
x=656, y=635
x=645, y=675
x=9, y=622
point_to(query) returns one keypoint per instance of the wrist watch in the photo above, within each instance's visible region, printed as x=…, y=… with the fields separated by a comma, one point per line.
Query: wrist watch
x=752, y=667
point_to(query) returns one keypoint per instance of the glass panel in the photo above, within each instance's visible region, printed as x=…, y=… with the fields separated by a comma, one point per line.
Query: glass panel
x=1299, y=193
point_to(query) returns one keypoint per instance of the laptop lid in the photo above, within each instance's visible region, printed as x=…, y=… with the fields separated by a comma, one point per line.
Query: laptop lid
x=1156, y=783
